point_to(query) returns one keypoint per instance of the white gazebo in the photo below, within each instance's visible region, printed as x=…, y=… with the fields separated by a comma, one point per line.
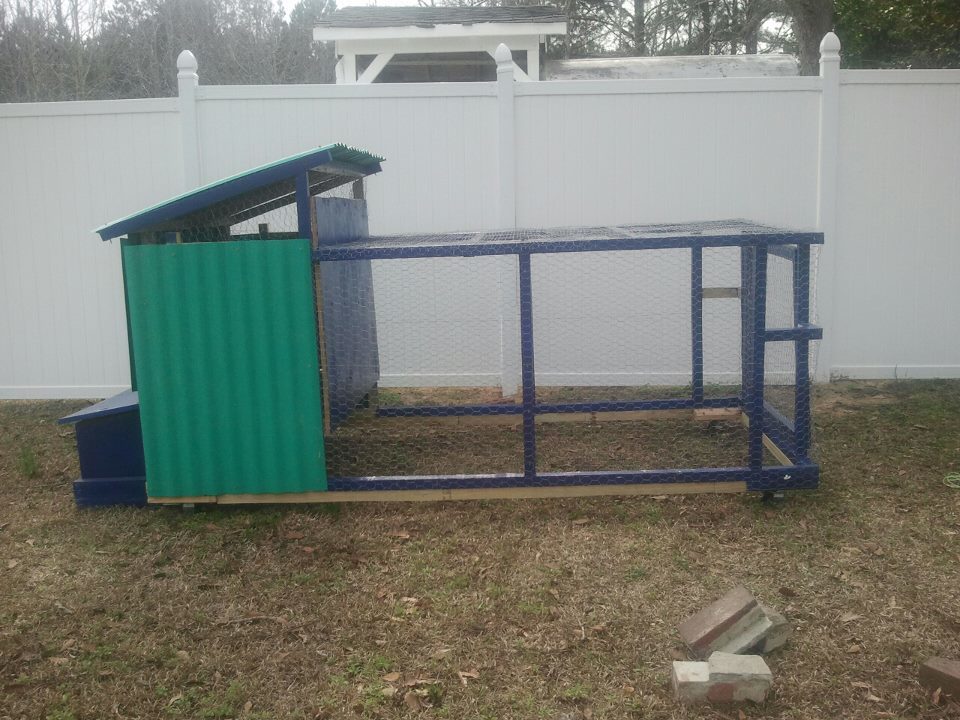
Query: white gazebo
x=424, y=44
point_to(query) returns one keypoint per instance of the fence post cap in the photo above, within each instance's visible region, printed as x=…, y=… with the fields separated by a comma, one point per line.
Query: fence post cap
x=502, y=54
x=186, y=64
x=830, y=45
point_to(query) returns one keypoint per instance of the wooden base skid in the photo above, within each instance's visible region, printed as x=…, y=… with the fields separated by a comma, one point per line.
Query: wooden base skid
x=508, y=487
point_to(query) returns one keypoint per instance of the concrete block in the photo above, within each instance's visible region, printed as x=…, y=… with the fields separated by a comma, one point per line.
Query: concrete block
x=943, y=674
x=720, y=622
x=724, y=678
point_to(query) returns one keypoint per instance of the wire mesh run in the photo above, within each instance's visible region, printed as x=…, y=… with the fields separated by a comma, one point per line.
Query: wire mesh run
x=673, y=359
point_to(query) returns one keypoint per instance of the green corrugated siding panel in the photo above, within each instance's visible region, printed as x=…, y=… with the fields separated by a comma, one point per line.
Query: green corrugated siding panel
x=225, y=346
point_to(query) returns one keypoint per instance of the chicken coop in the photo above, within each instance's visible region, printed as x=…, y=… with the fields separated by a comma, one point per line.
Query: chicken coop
x=266, y=324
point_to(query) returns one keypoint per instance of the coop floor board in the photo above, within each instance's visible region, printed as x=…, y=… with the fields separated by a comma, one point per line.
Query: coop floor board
x=461, y=494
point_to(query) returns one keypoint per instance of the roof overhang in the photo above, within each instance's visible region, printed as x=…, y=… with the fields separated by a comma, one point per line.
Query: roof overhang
x=251, y=193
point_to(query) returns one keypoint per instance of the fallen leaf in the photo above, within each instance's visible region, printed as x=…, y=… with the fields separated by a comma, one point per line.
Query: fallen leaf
x=893, y=604
x=677, y=654
x=175, y=698
x=850, y=617
x=873, y=698
x=629, y=690
x=852, y=649
x=411, y=700
x=599, y=628
x=11, y=564
x=862, y=685
x=581, y=521
x=421, y=681
x=248, y=706
x=294, y=535
x=388, y=691
x=935, y=697
x=307, y=549
x=788, y=592
x=741, y=715
x=441, y=653
x=391, y=677
x=400, y=534
x=30, y=542
x=58, y=660
x=464, y=674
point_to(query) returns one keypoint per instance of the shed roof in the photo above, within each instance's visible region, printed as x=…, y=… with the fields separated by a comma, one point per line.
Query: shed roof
x=369, y=17
x=250, y=193
x=672, y=66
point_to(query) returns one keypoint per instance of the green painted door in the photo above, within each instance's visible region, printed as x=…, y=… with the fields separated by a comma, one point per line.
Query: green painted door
x=225, y=348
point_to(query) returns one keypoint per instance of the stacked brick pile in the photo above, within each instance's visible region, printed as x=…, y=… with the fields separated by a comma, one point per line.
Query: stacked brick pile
x=731, y=634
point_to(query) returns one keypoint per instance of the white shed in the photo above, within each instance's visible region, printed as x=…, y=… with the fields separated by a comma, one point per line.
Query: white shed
x=437, y=44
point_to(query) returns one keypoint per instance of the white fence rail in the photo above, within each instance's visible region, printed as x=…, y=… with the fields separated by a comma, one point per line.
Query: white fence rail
x=871, y=157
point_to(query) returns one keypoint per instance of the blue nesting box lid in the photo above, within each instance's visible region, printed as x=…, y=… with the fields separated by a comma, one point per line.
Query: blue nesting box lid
x=126, y=401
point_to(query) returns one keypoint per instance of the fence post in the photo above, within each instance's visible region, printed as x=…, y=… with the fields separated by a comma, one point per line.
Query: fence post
x=827, y=186
x=507, y=218
x=187, y=82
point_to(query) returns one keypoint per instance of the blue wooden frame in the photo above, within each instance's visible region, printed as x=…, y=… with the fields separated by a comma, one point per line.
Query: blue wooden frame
x=765, y=422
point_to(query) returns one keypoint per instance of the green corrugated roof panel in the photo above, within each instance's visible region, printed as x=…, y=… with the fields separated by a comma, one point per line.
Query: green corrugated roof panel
x=225, y=345
x=341, y=163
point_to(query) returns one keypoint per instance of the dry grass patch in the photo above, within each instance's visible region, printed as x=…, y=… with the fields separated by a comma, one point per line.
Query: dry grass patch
x=527, y=609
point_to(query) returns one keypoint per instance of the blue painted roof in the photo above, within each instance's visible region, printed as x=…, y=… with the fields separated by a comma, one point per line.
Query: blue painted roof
x=127, y=401
x=255, y=191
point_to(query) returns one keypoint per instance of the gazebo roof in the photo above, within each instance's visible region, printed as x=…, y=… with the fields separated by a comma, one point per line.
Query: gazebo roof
x=371, y=17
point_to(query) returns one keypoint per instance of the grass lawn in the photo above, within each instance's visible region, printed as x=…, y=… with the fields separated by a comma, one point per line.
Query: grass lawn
x=526, y=609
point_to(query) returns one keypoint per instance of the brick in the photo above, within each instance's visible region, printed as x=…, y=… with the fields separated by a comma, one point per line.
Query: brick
x=747, y=636
x=724, y=678
x=776, y=636
x=748, y=676
x=943, y=674
x=691, y=681
x=715, y=625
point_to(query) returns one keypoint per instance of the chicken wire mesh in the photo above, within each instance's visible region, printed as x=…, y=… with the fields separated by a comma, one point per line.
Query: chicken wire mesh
x=638, y=360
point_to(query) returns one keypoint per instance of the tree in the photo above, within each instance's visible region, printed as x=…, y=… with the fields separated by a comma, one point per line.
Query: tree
x=812, y=19
x=905, y=34
x=304, y=60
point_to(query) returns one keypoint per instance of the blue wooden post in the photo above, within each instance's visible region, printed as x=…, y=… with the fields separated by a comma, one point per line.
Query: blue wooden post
x=527, y=374
x=304, y=225
x=758, y=318
x=746, y=328
x=801, y=316
x=696, y=322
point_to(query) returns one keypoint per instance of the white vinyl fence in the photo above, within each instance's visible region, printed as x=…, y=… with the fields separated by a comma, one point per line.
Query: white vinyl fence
x=870, y=157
